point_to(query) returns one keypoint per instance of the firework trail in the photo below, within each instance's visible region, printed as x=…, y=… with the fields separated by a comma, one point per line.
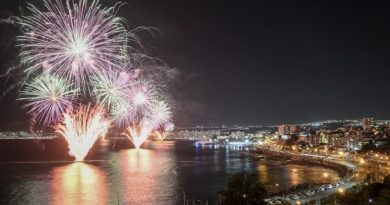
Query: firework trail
x=165, y=127
x=138, y=133
x=141, y=99
x=161, y=134
x=82, y=128
x=48, y=97
x=167, y=130
x=12, y=20
x=73, y=40
x=31, y=124
x=111, y=90
x=158, y=115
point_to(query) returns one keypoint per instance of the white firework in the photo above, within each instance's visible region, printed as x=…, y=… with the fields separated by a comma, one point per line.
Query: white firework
x=110, y=90
x=123, y=114
x=142, y=95
x=73, y=39
x=82, y=128
x=160, y=114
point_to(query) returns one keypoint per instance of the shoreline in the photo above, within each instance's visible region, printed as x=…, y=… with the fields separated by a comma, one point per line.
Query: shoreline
x=346, y=172
x=342, y=169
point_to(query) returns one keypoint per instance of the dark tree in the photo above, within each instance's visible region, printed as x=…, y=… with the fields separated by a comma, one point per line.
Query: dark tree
x=244, y=189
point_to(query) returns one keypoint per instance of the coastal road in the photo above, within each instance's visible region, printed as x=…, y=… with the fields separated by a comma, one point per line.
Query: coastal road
x=324, y=194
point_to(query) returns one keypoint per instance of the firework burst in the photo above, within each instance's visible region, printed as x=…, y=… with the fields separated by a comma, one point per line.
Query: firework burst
x=162, y=123
x=82, y=128
x=123, y=114
x=73, y=40
x=48, y=97
x=142, y=95
x=160, y=114
x=111, y=90
x=80, y=49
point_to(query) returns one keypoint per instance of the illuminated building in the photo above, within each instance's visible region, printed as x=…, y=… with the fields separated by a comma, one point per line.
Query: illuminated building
x=368, y=123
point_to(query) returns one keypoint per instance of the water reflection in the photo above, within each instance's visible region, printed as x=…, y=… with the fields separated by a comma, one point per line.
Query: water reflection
x=157, y=174
x=79, y=183
x=276, y=176
x=147, y=177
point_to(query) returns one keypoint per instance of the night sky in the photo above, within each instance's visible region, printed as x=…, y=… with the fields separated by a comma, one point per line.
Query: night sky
x=259, y=62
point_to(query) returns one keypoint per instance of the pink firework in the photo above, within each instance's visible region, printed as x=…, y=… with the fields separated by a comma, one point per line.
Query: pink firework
x=142, y=95
x=73, y=40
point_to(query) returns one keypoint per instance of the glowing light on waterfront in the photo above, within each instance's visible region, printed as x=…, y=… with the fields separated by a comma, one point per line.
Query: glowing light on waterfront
x=161, y=135
x=48, y=97
x=138, y=133
x=164, y=132
x=326, y=174
x=82, y=128
x=73, y=40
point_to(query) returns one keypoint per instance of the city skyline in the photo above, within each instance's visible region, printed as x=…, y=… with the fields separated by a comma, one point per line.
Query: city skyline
x=202, y=102
x=258, y=63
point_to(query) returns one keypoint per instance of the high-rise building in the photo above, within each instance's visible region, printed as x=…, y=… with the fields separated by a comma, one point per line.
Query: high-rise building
x=287, y=129
x=368, y=123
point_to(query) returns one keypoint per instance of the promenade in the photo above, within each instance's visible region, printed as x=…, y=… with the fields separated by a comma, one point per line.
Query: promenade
x=313, y=195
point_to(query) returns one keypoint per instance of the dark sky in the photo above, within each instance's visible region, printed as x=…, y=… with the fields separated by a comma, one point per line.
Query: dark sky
x=268, y=62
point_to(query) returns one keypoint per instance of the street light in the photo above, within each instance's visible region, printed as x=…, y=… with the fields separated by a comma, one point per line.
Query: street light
x=341, y=190
x=326, y=174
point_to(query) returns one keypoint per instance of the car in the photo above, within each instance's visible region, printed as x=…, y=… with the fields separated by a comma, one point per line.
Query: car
x=310, y=192
x=289, y=198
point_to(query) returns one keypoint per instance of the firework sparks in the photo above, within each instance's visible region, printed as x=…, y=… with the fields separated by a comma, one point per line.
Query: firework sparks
x=82, y=128
x=169, y=127
x=160, y=114
x=80, y=49
x=123, y=114
x=161, y=134
x=110, y=89
x=138, y=133
x=163, y=126
x=48, y=98
x=143, y=95
x=73, y=41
